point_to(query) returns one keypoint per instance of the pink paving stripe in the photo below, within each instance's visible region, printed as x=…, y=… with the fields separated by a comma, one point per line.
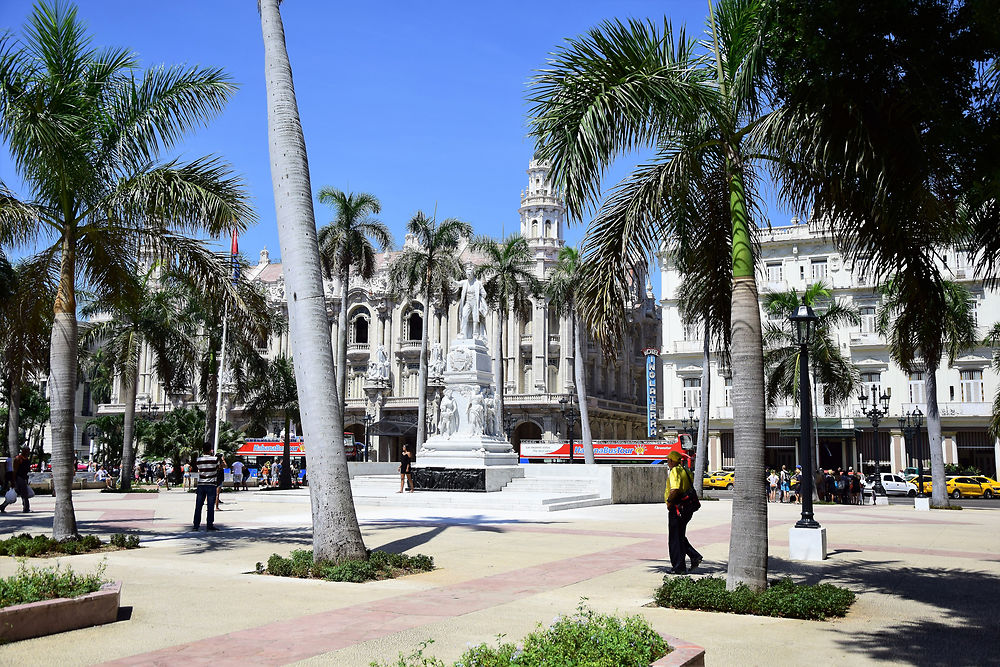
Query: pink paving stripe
x=316, y=634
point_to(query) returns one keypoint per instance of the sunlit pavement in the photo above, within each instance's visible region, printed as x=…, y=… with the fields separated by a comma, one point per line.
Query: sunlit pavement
x=924, y=582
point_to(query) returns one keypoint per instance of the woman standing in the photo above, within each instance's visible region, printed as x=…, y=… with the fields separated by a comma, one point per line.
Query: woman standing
x=405, y=471
x=220, y=476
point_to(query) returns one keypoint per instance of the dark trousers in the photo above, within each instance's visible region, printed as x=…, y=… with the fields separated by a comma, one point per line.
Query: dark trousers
x=204, y=492
x=677, y=539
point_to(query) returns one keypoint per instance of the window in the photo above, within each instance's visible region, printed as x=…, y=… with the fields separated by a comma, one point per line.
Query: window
x=534, y=228
x=963, y=259
x=692, y=393
x=415, y=328
x=917, y=392
x=727, y=393
x=359, y=331
x=972, y=386
x=548, y=229
x=868, y=322
x=818, y=269
x=871, y=380
x=692, y=331
x=974, y=307
x=775, y=273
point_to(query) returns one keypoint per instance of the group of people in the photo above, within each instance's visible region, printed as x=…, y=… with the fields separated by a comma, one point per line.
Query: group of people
x=148, y=471
x=835, y=485
x=783, y=486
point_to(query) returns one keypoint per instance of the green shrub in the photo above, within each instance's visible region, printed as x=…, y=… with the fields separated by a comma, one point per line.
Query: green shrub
x=47, y=584
x=125, y=541
x=584, y=638
x=378, y=565
x=784, y=598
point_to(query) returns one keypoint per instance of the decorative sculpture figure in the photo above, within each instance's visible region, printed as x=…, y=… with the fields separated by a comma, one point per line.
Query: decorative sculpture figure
x=378, y=368
x=448, y=424
x=437, y=361
x=477, y=413
x=472, y=307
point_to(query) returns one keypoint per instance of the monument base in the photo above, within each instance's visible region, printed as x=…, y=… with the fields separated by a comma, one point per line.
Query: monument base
x=807, y=544
x=465, y=479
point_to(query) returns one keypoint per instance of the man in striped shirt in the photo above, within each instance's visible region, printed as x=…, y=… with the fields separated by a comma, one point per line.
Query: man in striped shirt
x=206, y=467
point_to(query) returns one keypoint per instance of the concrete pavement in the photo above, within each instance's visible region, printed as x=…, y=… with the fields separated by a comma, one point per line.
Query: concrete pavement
x=927, y=583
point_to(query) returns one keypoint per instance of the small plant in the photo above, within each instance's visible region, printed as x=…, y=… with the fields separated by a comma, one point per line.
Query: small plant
x=946, y=507
x=26, y=546
x=125, y=541
x=378, y=565
x=415, y=659
x=784, y=598
x=47, y=584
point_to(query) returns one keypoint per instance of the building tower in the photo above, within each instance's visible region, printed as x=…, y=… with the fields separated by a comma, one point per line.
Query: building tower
x=542, y=212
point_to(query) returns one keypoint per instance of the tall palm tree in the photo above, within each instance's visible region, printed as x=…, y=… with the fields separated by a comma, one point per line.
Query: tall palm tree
x=992, y=339
x=510, y=285
x=274, y=393
x=629, y=85
x=428, y=268
x=336, y=533
x=86, y=132
x=922, y=325
x=25, y=329
x=345, y=243
x=154, y=322
x=838, y=376
x=564, y=291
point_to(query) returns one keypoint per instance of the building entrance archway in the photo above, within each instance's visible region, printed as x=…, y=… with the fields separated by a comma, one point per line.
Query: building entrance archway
x=525, y=431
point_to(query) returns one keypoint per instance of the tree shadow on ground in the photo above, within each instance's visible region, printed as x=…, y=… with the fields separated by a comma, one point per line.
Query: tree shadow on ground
x=961, y=625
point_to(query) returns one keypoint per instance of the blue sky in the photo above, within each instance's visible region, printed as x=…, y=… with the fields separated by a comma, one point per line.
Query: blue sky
x=419, y=103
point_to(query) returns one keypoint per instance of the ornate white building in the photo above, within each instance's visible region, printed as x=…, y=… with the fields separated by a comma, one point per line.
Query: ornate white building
x=384, y=348
x=792, y=258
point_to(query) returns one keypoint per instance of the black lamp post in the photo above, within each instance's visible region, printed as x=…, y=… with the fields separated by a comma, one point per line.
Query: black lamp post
x=508, y=424
x=368, y=420
x=689, y=424
x=804, y=320
x=879, y=409
x=569, y=414
x=910, y=425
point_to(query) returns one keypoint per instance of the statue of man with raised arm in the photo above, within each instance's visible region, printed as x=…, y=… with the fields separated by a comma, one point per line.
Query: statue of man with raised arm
x=472, y=307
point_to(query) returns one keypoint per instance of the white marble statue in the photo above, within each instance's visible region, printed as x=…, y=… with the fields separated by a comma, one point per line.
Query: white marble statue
x=437, y=361
x=477, y=413
x=472, y=306
x=378, y=368
x=448, y=424
x=490, y=418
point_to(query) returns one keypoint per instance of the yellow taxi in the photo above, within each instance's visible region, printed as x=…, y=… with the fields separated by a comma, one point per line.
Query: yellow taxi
x=991, y=487
x=720, y=480
x=960, y=486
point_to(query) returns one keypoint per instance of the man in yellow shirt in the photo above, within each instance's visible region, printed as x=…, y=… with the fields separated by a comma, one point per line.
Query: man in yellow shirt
x=679, y=482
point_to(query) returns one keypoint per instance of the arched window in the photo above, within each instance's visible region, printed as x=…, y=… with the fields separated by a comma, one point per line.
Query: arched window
x=415, y=326
x=360, y=330
x=548, y=229
x=534, y=228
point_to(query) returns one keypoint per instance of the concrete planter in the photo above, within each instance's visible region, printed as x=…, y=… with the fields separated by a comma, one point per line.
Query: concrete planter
x=47, y=617
x=922, y=504
x=682, y=654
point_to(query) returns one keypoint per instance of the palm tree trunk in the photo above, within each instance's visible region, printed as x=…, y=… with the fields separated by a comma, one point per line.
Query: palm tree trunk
x=939, y=490
x=285, y=479
x=14, y=415
x=336, y=534
x=62, y=392
x=422, y=377
x=128, y=434
x=581, y=389
x=748, y=534
x=498, y=373
x=342, y=343
x=706, y=384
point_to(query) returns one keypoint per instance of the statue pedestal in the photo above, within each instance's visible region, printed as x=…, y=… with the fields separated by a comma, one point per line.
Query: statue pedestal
x=467, y=436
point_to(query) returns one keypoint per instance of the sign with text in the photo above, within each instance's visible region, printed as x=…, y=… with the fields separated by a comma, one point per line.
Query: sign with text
x=651, y=414
x=639, y=450
x=270, y=448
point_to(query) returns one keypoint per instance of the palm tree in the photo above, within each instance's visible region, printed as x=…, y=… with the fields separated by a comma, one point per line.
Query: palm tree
x=428, y=268
x=336, y=534
x=992, y=339
x=275, y=393
x=510, y=286
x=922, y=324
x=629, y=85
x=86, y=132
x=347, y=242
x=25, y=328
x=154, y=322
x=564, y=291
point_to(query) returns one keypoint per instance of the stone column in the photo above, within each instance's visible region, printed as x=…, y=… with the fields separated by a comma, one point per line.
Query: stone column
x=538, y=347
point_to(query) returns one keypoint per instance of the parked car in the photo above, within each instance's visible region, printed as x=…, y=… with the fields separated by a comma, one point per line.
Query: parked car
x=895, y=485
x=991, y=487
x=960, y=486
x=723, y=480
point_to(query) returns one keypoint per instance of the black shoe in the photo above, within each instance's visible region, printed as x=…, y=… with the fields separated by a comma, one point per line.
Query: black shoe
x=195, y=528
x=679, y=570
x=211, y=528
x=695, y=562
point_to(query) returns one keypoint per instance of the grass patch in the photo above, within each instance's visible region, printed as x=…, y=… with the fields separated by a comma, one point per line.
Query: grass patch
x=583, y=638
x=21, y=546
x=785, y=598
x=378, y=565
x=32, y=585
x=946, y=507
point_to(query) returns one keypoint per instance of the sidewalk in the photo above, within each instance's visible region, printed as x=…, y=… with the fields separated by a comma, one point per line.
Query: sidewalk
x=926, y=583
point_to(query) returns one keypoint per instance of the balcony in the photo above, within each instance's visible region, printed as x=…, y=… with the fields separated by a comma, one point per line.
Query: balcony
x=960, y=409
x=554, y=342
x=408, y=346
x=866, y=339
x=357, y=350
x=526, y=341
x=688, y=346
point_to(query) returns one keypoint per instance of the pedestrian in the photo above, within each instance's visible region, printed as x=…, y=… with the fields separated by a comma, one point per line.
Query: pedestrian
x=237, y=474
x=220, y=477
x=855, y=486
x=797, y=484
x=265, y=474
x=405, y=471
x=772, y=483
x=784, y=479
x=161, y=476
x=246, y=476
x=19, y=470
x=207, y=468
x=103, y=476
x=678, y=495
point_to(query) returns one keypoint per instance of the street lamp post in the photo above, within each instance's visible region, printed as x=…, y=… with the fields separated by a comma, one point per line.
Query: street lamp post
x=910, y=425
x=368, y=420
x=508, y=424
x=804, y=321
x=879, y=409
x=569, y=414
x=689, y=425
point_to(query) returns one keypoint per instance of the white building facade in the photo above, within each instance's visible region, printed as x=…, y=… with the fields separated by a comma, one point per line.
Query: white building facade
x=794, y=257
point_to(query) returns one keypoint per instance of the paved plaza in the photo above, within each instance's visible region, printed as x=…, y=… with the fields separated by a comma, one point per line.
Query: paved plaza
x=927, y=583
